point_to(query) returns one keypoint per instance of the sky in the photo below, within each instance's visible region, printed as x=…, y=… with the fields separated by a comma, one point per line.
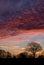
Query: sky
x=21, y=22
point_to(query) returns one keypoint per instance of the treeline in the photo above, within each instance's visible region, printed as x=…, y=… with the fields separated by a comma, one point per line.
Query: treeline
x=33, y=50
x=4, y=54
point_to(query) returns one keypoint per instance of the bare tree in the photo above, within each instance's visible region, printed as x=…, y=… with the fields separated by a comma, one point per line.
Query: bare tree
x=33, y=47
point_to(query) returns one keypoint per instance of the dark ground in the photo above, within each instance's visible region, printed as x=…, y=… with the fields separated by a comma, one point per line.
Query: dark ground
x=22, y=61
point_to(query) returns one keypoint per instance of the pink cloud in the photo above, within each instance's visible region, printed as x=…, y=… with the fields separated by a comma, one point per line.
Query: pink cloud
x=24, y=36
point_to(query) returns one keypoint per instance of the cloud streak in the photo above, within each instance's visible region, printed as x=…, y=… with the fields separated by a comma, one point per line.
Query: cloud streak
x=23, y=39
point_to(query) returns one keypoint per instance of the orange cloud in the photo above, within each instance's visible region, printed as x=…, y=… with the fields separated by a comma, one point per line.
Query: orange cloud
x=13, y=49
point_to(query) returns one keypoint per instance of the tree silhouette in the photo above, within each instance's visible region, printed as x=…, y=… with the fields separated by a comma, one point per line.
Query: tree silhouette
x=9, y=55
x=22, y=55
x=2, y=54
x=33, y=47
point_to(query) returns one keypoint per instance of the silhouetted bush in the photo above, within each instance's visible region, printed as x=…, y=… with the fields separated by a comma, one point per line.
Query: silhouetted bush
x=14, y=57
x=41, y=56
x=25, y=55
x=22, y=55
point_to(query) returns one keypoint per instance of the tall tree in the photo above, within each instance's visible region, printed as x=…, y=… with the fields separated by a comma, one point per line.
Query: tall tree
x=33, y=47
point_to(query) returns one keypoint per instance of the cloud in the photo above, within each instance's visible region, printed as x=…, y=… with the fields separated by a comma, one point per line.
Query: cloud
x=17, y=15
x=27, y=14
x=24, y=38
x=13, y=49
x=9, y=47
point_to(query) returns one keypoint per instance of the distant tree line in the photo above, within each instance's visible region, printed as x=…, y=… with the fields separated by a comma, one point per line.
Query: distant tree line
x=33, y=50
x=4, y=54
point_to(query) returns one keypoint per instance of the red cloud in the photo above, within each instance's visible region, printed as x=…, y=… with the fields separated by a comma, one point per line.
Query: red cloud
x=27, y=20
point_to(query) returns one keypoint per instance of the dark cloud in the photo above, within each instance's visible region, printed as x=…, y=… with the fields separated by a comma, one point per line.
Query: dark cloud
x=29, y=19
x=21, y=14
x=10, y=9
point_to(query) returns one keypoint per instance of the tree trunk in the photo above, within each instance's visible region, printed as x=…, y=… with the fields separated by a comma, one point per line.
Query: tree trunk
x=34, y=54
